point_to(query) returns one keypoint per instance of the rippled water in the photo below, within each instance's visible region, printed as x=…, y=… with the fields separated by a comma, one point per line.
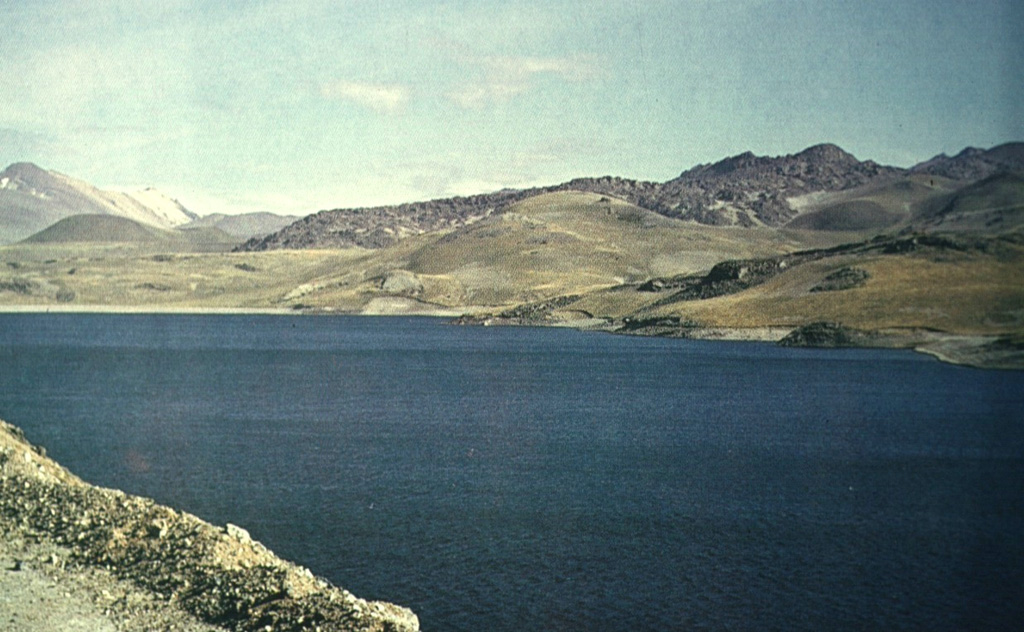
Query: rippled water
x=543, y=479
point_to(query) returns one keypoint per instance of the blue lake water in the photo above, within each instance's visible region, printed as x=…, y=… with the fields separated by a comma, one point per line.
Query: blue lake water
x=545, y=479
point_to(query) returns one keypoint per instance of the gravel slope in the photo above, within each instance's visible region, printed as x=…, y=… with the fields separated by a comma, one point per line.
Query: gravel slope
x=88, y=558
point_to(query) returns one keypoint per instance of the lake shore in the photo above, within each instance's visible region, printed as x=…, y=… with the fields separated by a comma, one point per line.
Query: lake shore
x=139, y=309
x=977, y=351
x=72, y=554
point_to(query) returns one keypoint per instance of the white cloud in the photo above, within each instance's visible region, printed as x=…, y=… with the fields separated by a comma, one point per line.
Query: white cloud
x=383, y=98
x=575, y=69
x=480, y=94
x=505, y=77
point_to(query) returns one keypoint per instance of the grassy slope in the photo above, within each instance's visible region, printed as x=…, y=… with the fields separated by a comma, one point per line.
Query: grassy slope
x=78, y=230
x=967, y=293
x=136, y=277
x=991, y=204
x=555, y=244
x=562, y=243
x=872, y=207
x=569, y=242
x=552, y=245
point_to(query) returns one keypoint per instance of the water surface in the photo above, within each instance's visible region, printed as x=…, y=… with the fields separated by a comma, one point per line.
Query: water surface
x=530, y=479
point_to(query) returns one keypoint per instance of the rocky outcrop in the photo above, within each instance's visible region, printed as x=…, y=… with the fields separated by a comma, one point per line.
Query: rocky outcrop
x=664, y=326
x=974, y=164
x=382, y=226
x=401, y=283
x=730, y=277
x=826, y=334
x=219, y=575
x=756, y=187
x=986, y=352
x=842, y=279
x=727, y=277
x=744, y=190
x=1003, y=352
x=538, y=313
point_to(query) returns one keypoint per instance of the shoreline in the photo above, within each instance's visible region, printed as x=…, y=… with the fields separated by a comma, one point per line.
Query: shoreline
x=142, y=309
x=971, y=350
x=115, y=561
x=976, y=351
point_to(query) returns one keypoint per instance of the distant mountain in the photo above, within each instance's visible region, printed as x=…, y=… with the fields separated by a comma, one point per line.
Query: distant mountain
x=744, y=190
x=113, y=229
x=32, y=198
x=245, y=225
x=822, y=188
x=974, y=164
x=171, y=211
x=89, y=228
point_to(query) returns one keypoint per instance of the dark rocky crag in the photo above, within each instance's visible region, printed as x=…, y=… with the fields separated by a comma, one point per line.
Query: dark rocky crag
x=826, y=334
x=382, y=226
x=842, y=279
x=975, y=164
x=749, y=190
x=218, y=575
x=743, y=190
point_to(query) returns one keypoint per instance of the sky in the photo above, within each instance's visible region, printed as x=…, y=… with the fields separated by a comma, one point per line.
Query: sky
x=293, y=106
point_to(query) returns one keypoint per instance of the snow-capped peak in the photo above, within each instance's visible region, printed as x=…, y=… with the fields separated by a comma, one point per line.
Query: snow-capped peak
x=65, y=196
x=163, y=206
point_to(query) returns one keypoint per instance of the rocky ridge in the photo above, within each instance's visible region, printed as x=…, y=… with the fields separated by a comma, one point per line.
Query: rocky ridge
x=382, y=226
x=826, y=334
x=749, y=190
x=975, y=164
x=219, y=576
x=742, y=190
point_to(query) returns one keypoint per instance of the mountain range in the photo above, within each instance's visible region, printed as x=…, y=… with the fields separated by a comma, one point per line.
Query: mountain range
x=244, y=225
x=743, y=190
x=33, y=199
x=816, y=247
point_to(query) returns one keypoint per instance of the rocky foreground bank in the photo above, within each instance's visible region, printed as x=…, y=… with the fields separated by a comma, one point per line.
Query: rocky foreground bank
x=78, y=557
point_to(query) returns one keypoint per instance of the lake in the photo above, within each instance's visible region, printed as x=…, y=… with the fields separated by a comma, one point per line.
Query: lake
x=510, y=479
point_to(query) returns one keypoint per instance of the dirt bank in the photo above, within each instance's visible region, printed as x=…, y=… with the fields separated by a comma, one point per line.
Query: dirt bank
x=90, y=558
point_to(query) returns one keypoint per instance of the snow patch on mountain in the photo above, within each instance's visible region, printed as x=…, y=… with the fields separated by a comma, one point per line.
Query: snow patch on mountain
x=164, y=207
x=32, y=198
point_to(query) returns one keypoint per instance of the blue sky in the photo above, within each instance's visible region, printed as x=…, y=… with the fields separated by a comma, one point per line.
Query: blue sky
x=298, y=105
